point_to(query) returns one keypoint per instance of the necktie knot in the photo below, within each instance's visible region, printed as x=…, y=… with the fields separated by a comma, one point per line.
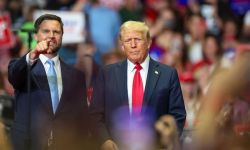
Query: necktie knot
x=50, y=62
x=138, y=66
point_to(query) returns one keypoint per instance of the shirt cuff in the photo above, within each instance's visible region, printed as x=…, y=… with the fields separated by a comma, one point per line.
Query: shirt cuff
x=30, y=61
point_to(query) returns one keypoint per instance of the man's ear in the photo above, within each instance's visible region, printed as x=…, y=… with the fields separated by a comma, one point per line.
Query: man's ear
x=121, y=45
x=149, y=43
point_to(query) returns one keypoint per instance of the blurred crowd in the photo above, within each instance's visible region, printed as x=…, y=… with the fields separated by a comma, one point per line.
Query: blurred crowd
x=207, y=41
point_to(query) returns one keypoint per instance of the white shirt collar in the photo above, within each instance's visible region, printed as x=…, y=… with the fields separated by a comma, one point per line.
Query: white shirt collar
x=43, y=58
x=144, y=64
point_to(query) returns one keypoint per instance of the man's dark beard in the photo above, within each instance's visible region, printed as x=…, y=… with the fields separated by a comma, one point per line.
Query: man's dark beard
x=57, y=49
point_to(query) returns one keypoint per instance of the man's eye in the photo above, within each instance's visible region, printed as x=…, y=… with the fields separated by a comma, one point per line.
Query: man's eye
x=45, y=31
x=57, y=32
x=138, y=40
x=127, y=41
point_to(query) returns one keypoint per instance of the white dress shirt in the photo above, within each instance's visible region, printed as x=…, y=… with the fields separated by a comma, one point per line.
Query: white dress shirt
x=57, y=66
x=130, y=76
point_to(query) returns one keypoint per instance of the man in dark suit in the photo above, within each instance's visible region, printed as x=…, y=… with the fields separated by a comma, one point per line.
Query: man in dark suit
x=138, y=89
x=50, y=98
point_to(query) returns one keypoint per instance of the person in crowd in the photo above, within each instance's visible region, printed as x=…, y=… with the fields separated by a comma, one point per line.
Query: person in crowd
x=15, y=9
x=131, y=10
x=62, y=5
x=224, y=114
x=166, y=127
x=209, y=10
x=230, y=38
x=86, y=64
x=196, y=27
x=113, y=57
x=176, y=55
x=4, y=75
x=167, y=19
x=152, y=10
x=102, y=25
x=50, y=96
x=132, y=94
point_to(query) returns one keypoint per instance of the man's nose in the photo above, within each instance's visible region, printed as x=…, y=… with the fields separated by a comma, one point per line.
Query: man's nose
x=51, y=34
x=133, y=43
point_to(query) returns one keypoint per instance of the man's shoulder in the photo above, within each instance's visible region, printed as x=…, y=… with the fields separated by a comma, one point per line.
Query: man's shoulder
x=161, y=66
x=122, y=63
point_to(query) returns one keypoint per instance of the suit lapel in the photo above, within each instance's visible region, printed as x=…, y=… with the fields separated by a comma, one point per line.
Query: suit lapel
x=40, y=79
x=121, y=80
x=152, y=78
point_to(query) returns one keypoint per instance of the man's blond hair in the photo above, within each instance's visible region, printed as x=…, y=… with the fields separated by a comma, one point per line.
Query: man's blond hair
x=136, y=26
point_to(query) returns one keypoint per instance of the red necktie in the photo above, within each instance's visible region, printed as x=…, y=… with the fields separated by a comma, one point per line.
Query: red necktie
x=137, y=91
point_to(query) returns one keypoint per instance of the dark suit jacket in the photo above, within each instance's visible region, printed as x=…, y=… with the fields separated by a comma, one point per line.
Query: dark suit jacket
x=34, y=117
x=162, y=96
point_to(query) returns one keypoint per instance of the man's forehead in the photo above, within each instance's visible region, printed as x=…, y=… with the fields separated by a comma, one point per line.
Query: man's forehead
x=49, y=24
x=132, y=33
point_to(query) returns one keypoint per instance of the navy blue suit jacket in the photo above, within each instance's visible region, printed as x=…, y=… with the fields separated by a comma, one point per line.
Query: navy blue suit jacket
x=34, y=117
x=162, y=95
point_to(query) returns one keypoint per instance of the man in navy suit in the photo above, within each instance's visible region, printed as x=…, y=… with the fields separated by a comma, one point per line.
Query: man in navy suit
x=48, y=115
x=138, y=89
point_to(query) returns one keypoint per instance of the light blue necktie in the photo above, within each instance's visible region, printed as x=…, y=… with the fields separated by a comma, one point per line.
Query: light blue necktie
x=52, y=78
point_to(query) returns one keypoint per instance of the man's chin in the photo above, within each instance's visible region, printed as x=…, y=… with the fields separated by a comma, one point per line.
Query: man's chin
x=134, y=60
x=55, y=51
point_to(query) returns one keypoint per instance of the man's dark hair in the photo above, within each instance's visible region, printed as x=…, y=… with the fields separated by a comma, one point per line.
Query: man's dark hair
x=47, y=17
